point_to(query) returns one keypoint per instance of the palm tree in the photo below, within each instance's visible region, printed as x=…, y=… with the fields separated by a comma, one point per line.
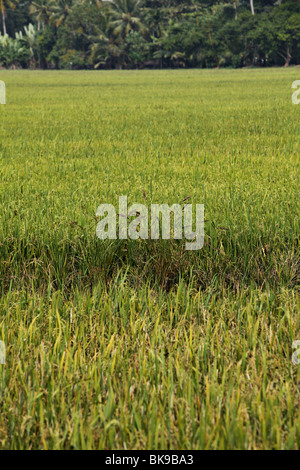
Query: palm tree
x=126, y=16
x=4, y=4
x=235, y=6
x=98, y=3
x=42, y=10
x=60, y=10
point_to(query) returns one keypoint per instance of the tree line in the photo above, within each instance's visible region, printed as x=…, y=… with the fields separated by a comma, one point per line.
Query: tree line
x=115, y=34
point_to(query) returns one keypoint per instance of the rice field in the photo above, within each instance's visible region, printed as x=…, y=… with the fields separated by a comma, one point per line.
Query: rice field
x=123, y=344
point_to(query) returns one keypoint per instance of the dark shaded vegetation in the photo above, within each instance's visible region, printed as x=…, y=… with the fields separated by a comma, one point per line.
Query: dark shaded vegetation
x=81, y=34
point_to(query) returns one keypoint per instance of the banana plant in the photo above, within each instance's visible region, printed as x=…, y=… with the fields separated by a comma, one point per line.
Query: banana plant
x=12, y=52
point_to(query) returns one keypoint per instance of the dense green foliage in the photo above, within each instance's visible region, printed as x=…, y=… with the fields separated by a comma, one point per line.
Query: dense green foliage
x=76, y=34
x=141, y=344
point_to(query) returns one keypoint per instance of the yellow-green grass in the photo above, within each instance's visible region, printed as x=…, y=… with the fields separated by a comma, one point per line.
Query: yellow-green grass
x=124, y=344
